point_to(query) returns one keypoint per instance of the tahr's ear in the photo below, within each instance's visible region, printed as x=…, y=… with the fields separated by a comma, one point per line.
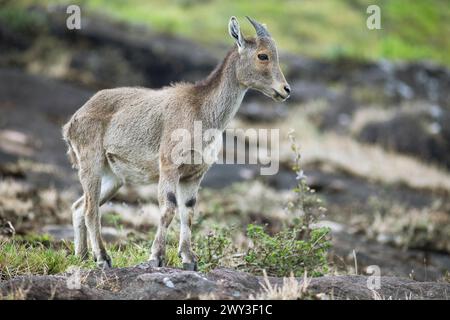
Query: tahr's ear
x=235, y=32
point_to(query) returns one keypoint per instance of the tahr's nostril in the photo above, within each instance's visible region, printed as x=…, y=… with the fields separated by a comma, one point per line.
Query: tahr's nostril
x=287, y=89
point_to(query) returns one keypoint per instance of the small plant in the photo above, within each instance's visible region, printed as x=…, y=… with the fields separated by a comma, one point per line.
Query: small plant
x=300, y=246
x=212, y=248
x=307, y=206
x=283, y=254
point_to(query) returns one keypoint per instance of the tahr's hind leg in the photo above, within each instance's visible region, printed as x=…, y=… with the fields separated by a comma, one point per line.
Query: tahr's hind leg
x=79, y=229
x=92, y=166
x=90, y=178
x=109, y=186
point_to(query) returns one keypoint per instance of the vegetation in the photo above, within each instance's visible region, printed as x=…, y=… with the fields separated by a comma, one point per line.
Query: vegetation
x=22, y=21
x=34, y=255
x=332, y=29
x=291, y=289
x=426, y=229
x=41, y=254
x=213, y=248
x=283, y=254
x=298, y=247
x=367, y=199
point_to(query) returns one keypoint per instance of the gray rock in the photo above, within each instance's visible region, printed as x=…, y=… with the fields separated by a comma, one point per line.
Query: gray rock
x=145, y=282
x=414, y=133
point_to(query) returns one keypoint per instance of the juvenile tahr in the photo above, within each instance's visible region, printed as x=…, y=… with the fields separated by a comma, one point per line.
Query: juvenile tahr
x=123, y=136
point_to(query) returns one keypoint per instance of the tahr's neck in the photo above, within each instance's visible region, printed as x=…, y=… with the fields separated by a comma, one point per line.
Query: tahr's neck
x=222, y=92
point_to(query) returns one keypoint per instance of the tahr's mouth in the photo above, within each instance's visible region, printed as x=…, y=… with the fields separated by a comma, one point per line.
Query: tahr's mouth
x=278, y=96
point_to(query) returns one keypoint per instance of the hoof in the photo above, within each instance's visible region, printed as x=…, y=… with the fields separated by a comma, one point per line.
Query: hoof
x=156, y=263
x=104, y=262
x=190, y=266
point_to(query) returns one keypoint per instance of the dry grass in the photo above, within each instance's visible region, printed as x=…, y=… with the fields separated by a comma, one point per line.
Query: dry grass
x=379, y=113
x=18, y=293
x=24, y=165
x=374, y=163
x=141, y=216
x=291, y=289
x=363, y=116
x=426, y=228
x=244, y=199
x=28, y=207
x=344, y=153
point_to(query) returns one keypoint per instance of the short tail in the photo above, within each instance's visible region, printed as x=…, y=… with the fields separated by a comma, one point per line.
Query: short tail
x=70, y=152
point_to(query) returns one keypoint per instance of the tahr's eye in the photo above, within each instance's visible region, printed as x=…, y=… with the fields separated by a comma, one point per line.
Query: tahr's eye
x=263, y=57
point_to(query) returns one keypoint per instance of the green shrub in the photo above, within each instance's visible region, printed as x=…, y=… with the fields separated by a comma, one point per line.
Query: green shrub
x=212, y=248
x=300, y=246
x=283, y=253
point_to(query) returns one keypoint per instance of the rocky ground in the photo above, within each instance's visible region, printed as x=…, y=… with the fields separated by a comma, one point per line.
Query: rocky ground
x=375, y=145
x=144, y=282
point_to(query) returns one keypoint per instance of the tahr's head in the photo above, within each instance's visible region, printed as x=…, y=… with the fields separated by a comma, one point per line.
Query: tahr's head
x=258, y=66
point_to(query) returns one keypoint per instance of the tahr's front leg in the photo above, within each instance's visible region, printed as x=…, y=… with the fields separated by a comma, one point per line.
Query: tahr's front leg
x=168, y=204
x=187, y=193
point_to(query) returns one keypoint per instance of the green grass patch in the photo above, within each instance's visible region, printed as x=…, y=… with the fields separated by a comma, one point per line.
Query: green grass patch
x=35, y=255
x=410, y=29
x=41, y=254
x=22, y=21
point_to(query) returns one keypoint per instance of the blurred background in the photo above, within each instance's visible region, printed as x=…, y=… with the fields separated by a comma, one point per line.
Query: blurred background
x=370, y=108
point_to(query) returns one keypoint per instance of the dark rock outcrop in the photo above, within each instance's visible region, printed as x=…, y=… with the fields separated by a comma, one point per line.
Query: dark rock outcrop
x=145, y=282
x=417, y=134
